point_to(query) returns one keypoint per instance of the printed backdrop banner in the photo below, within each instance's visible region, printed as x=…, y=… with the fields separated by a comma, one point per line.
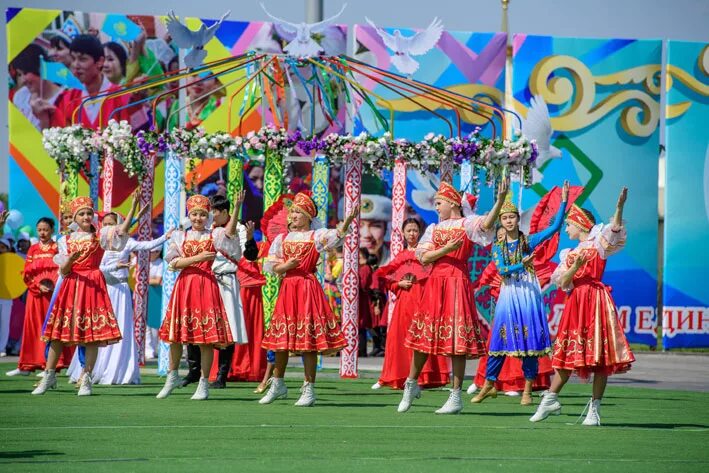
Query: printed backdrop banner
x=139, y=46
x=604, y=102
x=685, y=321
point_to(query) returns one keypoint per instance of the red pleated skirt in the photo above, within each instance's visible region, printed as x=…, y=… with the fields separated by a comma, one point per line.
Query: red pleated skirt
x=590, y=338
x=196, y=312
x=82, y=312
x=397, y=357
x=446, y=321
x=302, y=320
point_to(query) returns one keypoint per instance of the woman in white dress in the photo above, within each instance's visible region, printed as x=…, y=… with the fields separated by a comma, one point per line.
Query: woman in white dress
x=118, y=363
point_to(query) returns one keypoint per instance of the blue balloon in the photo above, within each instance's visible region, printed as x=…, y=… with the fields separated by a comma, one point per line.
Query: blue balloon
x=15, y=219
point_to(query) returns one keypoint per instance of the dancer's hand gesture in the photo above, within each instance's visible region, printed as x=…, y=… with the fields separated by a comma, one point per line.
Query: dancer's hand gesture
x=565, y=192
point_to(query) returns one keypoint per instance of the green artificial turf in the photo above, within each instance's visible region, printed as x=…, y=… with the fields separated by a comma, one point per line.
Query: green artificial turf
x=351, y=428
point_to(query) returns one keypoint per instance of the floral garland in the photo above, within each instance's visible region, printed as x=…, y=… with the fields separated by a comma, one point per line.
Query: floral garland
x=70, y=147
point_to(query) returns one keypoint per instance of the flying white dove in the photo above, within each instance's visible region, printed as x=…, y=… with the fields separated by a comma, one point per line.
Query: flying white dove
x=185, y=38
x=406, y=46
x=300, y=35
x=537, y=126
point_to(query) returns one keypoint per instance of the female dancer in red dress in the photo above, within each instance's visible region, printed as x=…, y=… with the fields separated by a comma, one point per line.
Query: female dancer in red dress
x=406, y=277
x=82, y=313
x=41, y=273
x=302, y=320
x=195, y=313
x=590, y=338
x=446, y=322
x=249, y=361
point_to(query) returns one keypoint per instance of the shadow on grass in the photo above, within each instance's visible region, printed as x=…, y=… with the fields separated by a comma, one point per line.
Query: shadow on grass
x=659, y=426
x=27, y=454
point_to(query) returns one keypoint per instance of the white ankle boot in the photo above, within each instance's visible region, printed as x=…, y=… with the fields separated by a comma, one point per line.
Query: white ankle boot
x=85, y=388
x=411, y=392
x=17, y=372
x=49, y=381
x=376, y=385
x=549, y=406
x=277, y=390
x=593, y=417
x=453, y=405
x=472, y=388
x=202, y=392
x=307, y=398
x=171, y=382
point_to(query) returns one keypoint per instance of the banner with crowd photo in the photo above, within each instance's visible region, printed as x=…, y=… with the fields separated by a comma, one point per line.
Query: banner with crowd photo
x=604, y=101
x=135, y=47
x=468, y=63
x=39, y=64
x=685, y=317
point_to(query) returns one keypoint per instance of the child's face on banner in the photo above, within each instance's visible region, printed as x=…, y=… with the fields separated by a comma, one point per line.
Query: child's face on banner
x=371, y=235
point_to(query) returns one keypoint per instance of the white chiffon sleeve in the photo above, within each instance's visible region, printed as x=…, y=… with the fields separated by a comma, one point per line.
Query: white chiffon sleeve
x=241, y=231
x=327, y=238
x=63, y=255
x=476, y=232
x=275, y=255
x=609, y=241
x=230, y=246
x=174, y=247
x=425, y=244
x=109, y=239
x=150, y=245
x=560, y=270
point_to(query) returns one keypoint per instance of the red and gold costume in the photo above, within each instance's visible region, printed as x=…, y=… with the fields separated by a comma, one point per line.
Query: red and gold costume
x=249, y=360
x=302, y=320
x=82, y=312
x=446, y=320
x=40, y=268
x=397, y=357
x=590, y=338
x=195, y=313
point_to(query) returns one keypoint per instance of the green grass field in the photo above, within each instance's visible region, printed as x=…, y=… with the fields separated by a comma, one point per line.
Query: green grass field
x=352, y=428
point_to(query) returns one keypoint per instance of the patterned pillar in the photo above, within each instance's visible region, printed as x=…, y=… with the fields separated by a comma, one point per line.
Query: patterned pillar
x=398, y=214
x=107, y=181
x=447, y=170
x=466, y=176
x=142, y=273
x=235, y=179
x=321, y=191
x=173, y=177
x=93, y=180
x=72, y=184
x=272, y=190
x=350, y=278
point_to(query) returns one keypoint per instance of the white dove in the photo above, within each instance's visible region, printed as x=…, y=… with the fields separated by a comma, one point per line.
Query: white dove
x=185, y=38
x=537, y=126
x=406, y=46
x=300, y=35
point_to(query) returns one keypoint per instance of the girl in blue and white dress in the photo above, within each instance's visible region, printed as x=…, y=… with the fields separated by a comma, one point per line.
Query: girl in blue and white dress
x=520, y=327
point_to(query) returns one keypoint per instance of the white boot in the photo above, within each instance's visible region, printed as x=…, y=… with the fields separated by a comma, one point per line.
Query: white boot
x=48, y=382
x=549, y=406
x=17, y=372
x=85, y=388
x=306, y=399
x=453, y=405
x=171, y=382
x=411, y=392
x=376, y=385
x=594, y=413
x=472, y=388
x=202, y=392
x=277, y=390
